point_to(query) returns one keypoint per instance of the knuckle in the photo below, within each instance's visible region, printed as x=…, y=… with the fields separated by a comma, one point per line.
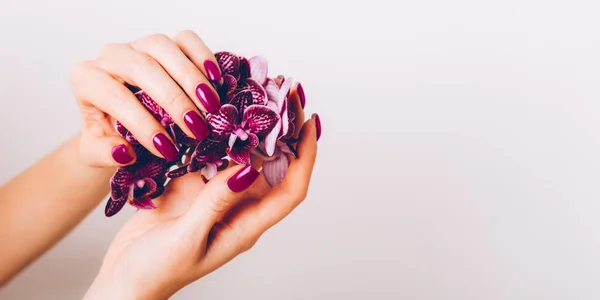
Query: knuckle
x=186, y=34
x=220, y=204
x=175, y=97
x=158, y=39
x=144, y=63
x=108, y=49
x=79, y=70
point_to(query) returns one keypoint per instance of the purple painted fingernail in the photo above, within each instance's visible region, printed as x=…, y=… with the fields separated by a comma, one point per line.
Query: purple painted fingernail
x=196, y=125
x=302, y=95
x=165, y=147
x=212, y=70
x=243, y=179
x=317, y=124
x=208, y=98
x=120, y=154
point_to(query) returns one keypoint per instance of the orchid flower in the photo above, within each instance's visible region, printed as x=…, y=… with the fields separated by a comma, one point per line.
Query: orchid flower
x=243, y=130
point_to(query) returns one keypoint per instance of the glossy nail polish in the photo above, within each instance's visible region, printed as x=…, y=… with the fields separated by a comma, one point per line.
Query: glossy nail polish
x=243, y=179
x=196, y=125
x=208, y=98
x=317, y=124
x=212, y=70
x=165, y=147
x=120, y=154
x=301, y=95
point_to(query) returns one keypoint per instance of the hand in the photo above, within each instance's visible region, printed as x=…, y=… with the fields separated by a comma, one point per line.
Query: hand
x=197, y=228
x=176, y=73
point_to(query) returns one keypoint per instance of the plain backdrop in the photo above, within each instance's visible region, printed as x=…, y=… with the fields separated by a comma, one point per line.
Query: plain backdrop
x=460, y=155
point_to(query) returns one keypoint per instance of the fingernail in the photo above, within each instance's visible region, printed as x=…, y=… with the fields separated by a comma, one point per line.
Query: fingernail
x=301, y=94
x=120, y=154
x=165, y=147
x=243, y=179
x=317, y=124
x=196, y=125
x=207, y=97
x=212, y=70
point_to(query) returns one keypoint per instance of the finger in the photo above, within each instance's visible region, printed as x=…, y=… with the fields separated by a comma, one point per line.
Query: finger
x=296, y=102
x=94, y=87
x=219, y=195
x=106, y=151
x=197, y=51
x=244, y=228
x=143, y=71
x=183, y=111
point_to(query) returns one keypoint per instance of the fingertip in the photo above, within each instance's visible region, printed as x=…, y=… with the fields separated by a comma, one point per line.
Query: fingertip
x=123, y=154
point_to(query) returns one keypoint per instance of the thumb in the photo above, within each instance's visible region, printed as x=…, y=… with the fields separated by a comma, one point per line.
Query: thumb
x=105, y=151
x=219, y=195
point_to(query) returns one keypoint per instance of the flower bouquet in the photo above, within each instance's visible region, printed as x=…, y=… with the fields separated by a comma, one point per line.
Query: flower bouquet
x=255, y=120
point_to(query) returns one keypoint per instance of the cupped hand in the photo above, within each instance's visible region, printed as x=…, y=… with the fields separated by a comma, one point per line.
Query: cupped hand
x=197, y=228
x=176, y=73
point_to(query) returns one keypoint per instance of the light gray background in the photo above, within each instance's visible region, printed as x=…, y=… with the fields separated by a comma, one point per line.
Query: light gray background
x=459, y=157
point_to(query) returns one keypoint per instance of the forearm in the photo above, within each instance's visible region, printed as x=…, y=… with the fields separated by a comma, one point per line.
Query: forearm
x=42, y=204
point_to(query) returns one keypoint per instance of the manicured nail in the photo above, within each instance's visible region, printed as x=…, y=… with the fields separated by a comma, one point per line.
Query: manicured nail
x=301, y=94
x=208, y=98
x=318, y=125
x=212, y=70
x=165, y=147
x=120, y=154
x=196, y=125
x=243, y=179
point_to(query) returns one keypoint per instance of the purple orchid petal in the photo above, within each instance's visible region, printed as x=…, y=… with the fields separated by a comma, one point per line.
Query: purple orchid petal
x=120, y=128
x=244, y=67
x=275, y=170
x=285, y=148
x=229, y=63
x=240, y=152
x=259, y=94
x=130, y=138
x=223, y=165
x=242, y=100
x=271, y=139
x=285, y=122
x=205, y=146
x=223, y=121
x=284, y=90
x=144, y=188
x=259, y=69
x=160, y=189
x=209, y=171
x=232, y=139
x=113, y=207
x=150, y=104
x=228, y=87
x=239, y=155
x=178, y=172
x=259, y=119
x=272, y=90
x=143, y=203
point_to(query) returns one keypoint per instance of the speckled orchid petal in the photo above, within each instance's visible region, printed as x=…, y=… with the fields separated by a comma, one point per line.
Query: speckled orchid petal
x=244, y=68
x=259, y=69
x=150, y=105
x=144, y=187
x=223, y=121
x=130, y=138
x=259, y=94
x=229, y=63
x=178, y=172
x=275, y=170
x=259, y=119
x=227, y=89
x=120, y=128
x=113, y=207
x=241, y=100
x=240, y=152
x=143, y=203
